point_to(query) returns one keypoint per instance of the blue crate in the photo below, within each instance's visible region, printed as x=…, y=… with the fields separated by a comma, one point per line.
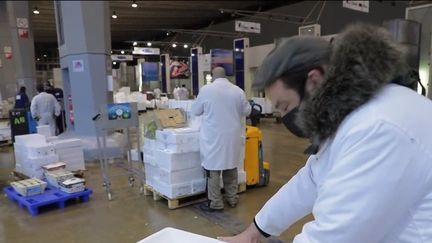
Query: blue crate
x=51, y=196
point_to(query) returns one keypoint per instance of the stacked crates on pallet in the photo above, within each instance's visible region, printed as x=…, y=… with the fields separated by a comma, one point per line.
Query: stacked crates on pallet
x=172, y=163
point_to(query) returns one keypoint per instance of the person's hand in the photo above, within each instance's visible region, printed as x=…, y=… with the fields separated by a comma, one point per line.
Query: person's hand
x=250, y=235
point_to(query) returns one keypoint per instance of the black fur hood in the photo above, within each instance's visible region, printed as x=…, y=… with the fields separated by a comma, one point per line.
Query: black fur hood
x=363, y=59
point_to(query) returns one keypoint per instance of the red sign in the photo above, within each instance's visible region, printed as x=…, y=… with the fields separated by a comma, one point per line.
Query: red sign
x=8, y=55
x=23, y=33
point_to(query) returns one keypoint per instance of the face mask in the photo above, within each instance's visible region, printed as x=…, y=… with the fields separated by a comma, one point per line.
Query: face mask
x=289, y=121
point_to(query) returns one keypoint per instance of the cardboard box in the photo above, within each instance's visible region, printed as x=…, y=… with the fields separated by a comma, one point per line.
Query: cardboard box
x=54, y=167
x=56, y=177
x=29, y=187
x=73, y=185
x=170, y=118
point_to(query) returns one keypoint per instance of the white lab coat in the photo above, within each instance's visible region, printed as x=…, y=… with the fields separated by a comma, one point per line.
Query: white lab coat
x=223, y=106
x=45, y=107
x=183, y=94
x=175, y=93
x=371, y=183
x=157, y=93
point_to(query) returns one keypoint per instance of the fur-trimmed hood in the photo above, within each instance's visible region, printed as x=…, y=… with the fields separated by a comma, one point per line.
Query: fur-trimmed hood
x=363, y=59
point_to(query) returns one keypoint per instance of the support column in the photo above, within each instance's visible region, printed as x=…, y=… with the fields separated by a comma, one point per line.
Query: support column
x=84, y=37
x=17, y=49
x=241, y=63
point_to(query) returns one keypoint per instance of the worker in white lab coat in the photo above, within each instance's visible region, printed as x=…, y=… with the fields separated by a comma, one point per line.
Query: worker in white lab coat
x=223, y=107
x=157, y=93
x=175, y=92
x=369, y=178
x=44, y=108
x=183, y=93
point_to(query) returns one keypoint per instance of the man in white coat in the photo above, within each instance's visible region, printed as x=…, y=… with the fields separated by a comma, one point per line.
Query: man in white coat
x=369, y=178
x=183, y=93
x=223, y=107
x=44, y=108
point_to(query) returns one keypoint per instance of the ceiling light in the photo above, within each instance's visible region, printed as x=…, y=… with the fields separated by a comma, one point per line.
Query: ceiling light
x=185, y=46
x=135, y=43
x=45, y=55
x=167, y=33
x=122, y=52
x=36, y=10
x=114, y=15
x=38, y=59
x=114, y=63
x=134, y=4
x=149, y=44
x=174, y=45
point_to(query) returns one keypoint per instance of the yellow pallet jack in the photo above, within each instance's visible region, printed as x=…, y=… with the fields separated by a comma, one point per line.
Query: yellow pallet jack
x=257, y=170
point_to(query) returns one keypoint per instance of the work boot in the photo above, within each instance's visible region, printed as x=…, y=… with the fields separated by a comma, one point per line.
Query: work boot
x=206, y=208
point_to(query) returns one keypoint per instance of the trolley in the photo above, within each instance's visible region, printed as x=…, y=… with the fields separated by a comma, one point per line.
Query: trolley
x=114, y=117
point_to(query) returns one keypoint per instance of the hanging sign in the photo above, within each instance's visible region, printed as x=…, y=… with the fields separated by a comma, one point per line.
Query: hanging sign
x=8, y=52
x=78, y=66
x=23, y=33
x=361, y=6
x=122, y=57
x=245, y=26
x=22, y=23
x=146, y=51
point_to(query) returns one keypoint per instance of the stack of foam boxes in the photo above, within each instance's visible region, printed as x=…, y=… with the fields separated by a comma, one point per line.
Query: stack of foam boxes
x=31, y=153
x=172, y=163
x=70, y=151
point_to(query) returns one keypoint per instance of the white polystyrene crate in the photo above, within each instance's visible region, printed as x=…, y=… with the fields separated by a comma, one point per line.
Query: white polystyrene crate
x=177, y=136
x=148, y=159
x=67, y=143
x=30, y=139
x=178, y=148
x=176, y=161
x=177, y=236
x=148, y=151
x=149, y=143
x=75, y=165
x=241, y=176
x=134, y=155
x=44, y=130
x=150, y=171
x=179, y=176
x=38, y=150
x=174, y=191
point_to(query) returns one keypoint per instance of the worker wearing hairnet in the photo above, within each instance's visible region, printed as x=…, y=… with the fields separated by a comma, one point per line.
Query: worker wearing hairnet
x=369, y=176
x=44, y=108
x=223, y=107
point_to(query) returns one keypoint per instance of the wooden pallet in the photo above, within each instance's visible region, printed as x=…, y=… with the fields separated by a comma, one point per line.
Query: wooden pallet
x=177, y=202
x=5, y=142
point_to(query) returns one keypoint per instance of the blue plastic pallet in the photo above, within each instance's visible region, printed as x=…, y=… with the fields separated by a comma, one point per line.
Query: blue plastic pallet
x=51, y=196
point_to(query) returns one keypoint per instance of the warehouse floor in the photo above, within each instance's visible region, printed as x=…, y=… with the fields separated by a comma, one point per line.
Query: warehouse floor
x=131, y=217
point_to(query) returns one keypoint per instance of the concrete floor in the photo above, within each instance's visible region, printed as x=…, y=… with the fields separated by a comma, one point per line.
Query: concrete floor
x=131, y=217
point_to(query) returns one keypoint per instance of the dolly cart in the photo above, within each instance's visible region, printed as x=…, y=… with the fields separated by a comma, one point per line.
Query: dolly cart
x=115, y=117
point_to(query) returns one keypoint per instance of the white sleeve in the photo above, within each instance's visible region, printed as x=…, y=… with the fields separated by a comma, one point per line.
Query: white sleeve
x=57, y=108
x=34, y=108
x=291, y=203
x=369, y=190
x=198, y=105
x=245, y=106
